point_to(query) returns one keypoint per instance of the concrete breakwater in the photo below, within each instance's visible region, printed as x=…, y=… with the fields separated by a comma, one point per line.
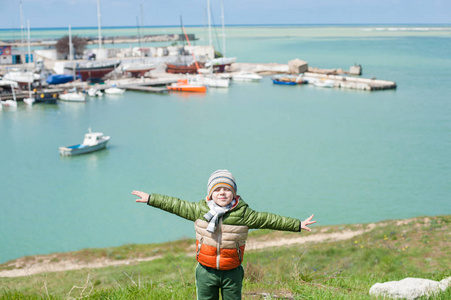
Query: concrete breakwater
x=339, y=81
x=349, y=82
x=109, y=40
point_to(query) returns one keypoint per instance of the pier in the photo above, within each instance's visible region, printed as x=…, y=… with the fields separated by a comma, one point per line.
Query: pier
x=349, y=82
x=340, y=81
x=148, y=85
x=143, y=88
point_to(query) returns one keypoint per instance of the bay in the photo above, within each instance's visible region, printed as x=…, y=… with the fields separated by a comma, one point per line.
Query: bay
x=347, y=156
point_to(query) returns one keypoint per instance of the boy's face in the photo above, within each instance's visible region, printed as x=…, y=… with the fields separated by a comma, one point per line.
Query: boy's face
x=222, y=196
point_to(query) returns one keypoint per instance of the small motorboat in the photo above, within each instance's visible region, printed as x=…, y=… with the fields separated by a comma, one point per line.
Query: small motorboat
x=93, y=92
x=72, y=95
x=114, y=91
x=46, y=97
x=93, y=141
x=287, y=79
x=322, y=82
x=247, y=76
x=29, y=101
x=182, y=85
x=10, y=103
x=209, y=80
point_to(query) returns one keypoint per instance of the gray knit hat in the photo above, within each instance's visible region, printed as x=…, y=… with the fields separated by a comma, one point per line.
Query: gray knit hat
x=221, y=178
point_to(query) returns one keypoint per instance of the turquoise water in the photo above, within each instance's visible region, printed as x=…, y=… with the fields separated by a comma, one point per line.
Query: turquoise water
x=347, y=156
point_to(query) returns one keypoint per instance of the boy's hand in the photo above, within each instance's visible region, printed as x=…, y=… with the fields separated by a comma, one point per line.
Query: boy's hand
x=307, y=222
x=144, y=196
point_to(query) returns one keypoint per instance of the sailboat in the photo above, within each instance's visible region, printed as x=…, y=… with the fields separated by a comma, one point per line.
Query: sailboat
x=93, y=71
x=19, y=75
x=184, y=67
x=140, y=68
x=114, y=90
x=219, y=63
x=72, y=95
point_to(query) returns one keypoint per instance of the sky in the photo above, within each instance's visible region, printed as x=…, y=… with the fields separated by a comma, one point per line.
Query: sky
x=83, y=13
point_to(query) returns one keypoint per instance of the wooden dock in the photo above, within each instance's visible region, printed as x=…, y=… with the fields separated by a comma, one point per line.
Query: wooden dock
x=148, y=89
x=149, y=86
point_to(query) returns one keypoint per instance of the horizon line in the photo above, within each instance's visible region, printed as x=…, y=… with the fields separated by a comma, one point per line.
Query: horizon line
x=238, y=25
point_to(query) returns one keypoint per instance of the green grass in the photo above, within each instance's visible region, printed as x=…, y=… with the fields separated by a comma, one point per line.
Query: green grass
x=327, y=270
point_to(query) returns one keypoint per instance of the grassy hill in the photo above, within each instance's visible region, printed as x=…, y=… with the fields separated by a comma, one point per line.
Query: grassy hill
x=332, y=262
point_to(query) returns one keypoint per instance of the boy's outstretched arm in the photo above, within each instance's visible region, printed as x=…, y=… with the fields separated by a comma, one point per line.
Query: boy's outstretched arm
x=185, y=209
x=144, y=197
x=304, y=223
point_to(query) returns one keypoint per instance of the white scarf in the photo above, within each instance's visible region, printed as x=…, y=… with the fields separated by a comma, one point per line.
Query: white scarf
x=215, y=213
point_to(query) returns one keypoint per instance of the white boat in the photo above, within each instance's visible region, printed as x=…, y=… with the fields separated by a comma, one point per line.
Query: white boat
x=221, y=61
x=209, y=81
x=29, y=101
x=72, y=96
x=114, y=91
x=22, y=77
x=8, y=83
x=93, y=141
x=324, y=82
x=10, y=102
x=93, y=92
x=246, y=76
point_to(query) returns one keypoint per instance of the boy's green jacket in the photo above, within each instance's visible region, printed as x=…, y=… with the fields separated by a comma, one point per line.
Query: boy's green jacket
x=241, y=215
x=222, y=249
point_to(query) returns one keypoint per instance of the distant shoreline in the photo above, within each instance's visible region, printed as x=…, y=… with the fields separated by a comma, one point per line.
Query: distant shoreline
x=240, y=25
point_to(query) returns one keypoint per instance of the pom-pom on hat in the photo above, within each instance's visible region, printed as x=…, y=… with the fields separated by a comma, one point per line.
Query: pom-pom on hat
x=221, y=178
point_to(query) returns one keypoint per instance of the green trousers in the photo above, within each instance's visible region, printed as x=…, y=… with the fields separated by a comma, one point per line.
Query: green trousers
x=209, y=282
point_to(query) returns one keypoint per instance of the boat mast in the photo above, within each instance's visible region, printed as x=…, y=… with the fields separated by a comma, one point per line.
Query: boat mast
x=223, y=30
x=142, y=15
x=98, y=25
x=29, y=60
x=21, y=27
x=71, y=52
x=70, y=45
x=209, y=22
x=139, y=40
x=140, y=24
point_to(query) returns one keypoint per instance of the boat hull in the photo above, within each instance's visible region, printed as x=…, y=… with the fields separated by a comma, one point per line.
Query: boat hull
x=184, y=69
x=284, y=82
x=209, y=81
x=188, y=88
x=240, y=78
x=72, y=97
x=46, y=97
x=324, y=83
x=138, y=70
x=114, y=91
x=91, y=72
x=81, y=149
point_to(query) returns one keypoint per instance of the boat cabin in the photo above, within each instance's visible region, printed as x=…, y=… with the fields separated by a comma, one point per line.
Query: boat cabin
x=92, y=138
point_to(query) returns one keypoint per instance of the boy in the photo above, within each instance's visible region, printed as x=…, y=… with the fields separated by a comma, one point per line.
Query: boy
x=222, y=222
